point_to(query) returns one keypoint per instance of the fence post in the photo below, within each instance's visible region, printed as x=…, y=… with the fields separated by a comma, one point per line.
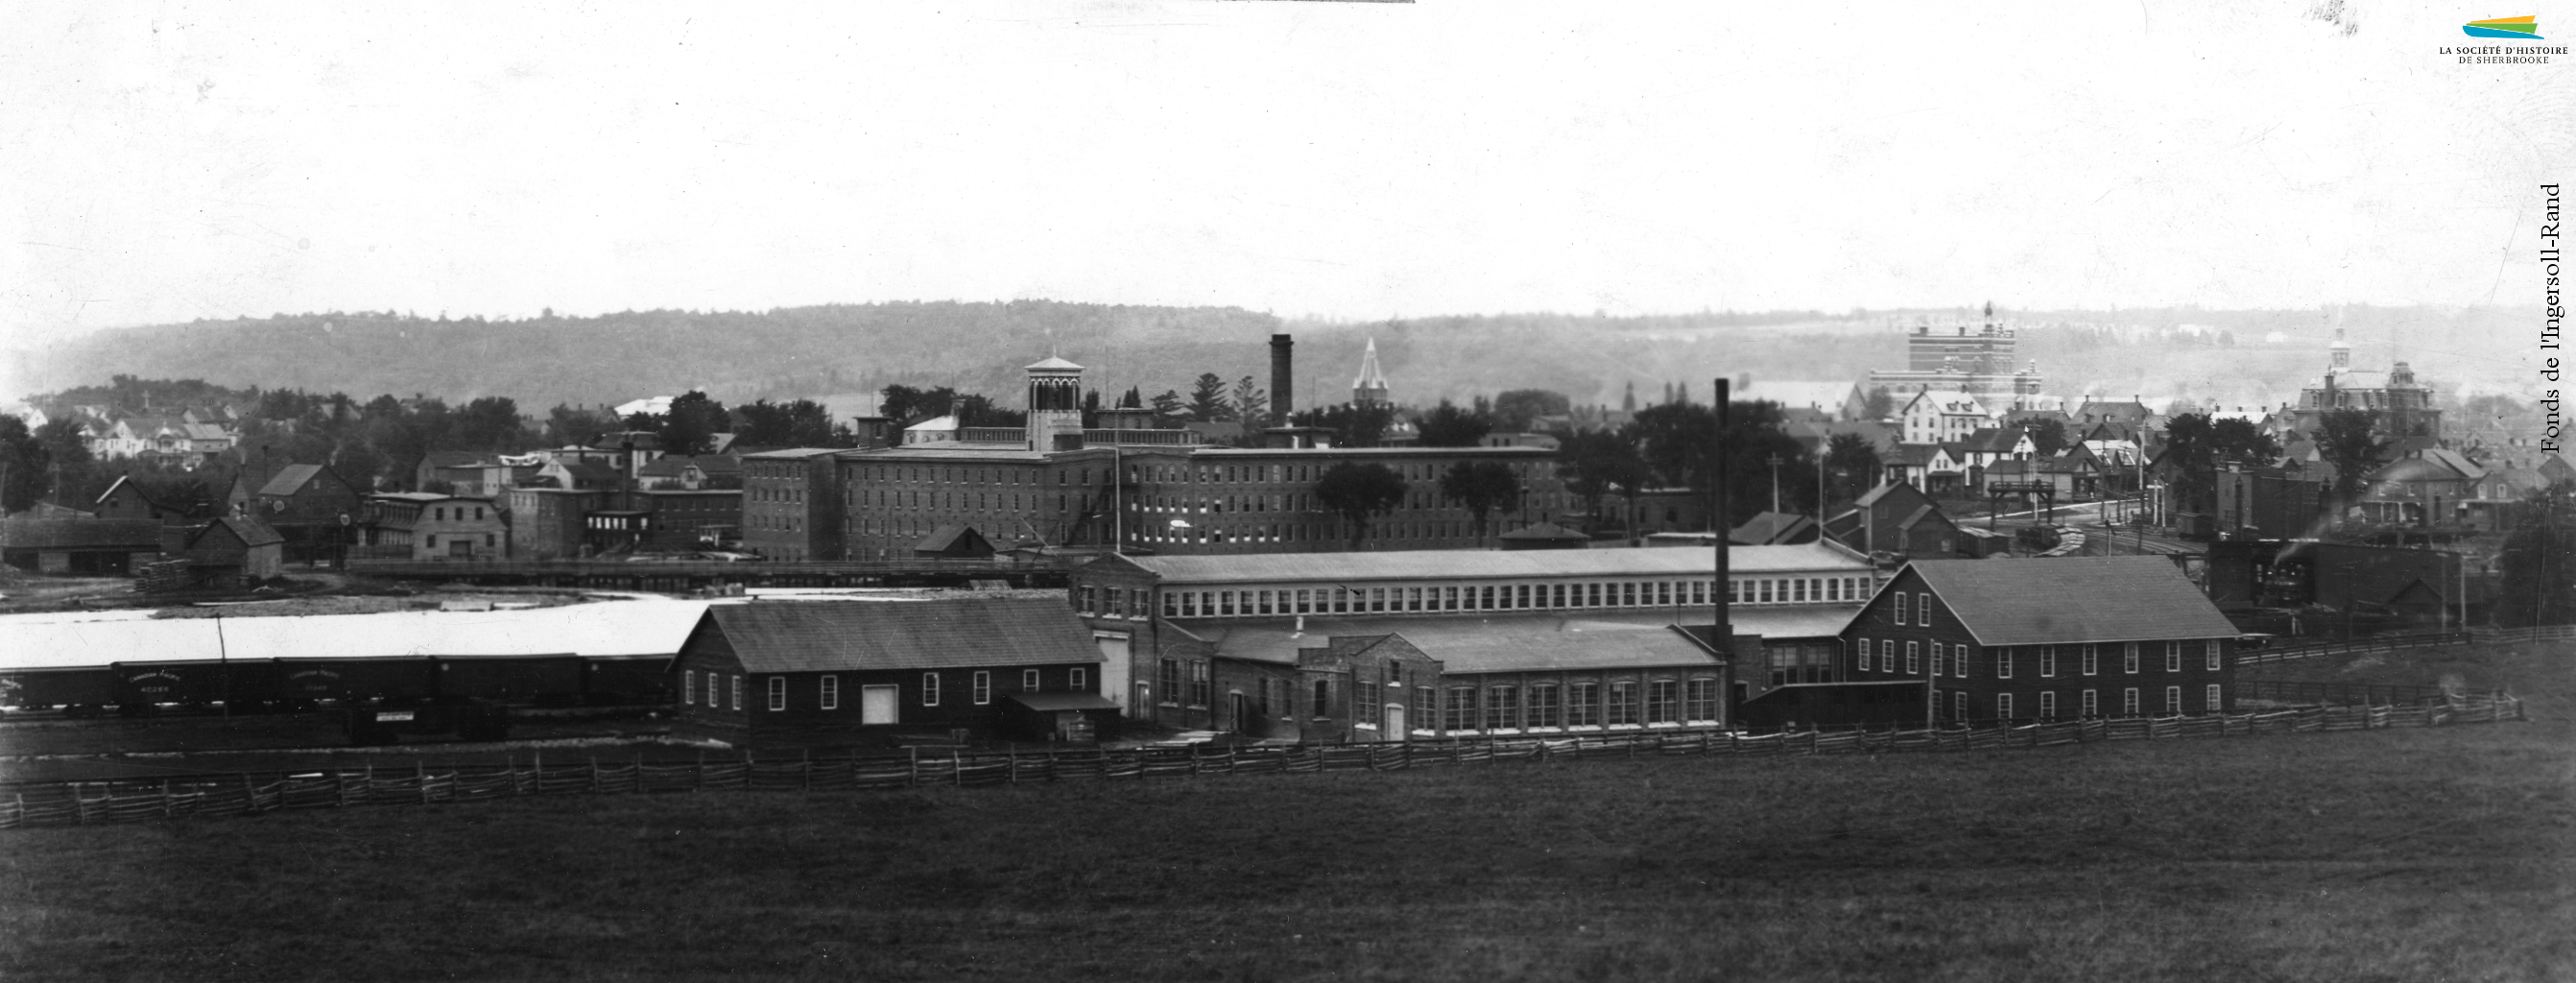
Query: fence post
x=165, y=799
x=420, y=775
x=912, y=773
x=749, y=766
x=250, y=796
x=808, y=769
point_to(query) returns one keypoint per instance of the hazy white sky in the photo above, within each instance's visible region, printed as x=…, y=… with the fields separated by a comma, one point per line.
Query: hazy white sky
x=177, y=161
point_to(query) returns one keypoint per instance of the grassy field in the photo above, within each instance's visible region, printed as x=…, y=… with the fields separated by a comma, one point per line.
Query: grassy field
x=2388, y=855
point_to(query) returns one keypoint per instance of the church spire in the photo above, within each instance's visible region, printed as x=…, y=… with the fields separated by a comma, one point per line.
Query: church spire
x=1370, y=388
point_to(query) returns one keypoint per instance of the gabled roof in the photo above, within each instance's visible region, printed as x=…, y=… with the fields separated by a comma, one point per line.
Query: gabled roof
x=252, y=532
x=2072, y=600
x=1769, y=528
x=1481, y=564
x=1495, y=642
x=1991, y=440
x=291, y=479
x=823, y=636
x=948, y=422
x=1054, y=363
x=1884, y=489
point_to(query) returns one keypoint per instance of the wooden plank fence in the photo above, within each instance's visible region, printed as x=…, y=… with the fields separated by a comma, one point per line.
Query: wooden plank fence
x=37, y=804
x=2391, y=643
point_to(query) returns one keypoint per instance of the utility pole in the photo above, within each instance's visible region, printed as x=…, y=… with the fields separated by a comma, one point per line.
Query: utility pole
x=1775, y=482
x=1723, y=630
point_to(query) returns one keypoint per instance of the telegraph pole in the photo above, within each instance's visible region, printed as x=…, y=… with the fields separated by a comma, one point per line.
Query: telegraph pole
x=1723, y=630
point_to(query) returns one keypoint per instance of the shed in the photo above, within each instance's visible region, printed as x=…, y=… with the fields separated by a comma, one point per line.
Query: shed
x=77, y=546
x=1067, y=718
x=954, y=542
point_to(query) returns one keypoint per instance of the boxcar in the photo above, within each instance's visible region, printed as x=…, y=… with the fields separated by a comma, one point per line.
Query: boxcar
x=345, y=679
x=196, y=683
x=78, y=689
x=511, y=678
x=627, y=679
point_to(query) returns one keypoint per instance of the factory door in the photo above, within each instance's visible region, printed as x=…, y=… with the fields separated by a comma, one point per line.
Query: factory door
x=877, y=704
x=1246, y=722
x=1395, y=723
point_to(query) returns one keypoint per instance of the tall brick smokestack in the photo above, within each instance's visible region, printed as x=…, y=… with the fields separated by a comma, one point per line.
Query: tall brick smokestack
x=1282, y=380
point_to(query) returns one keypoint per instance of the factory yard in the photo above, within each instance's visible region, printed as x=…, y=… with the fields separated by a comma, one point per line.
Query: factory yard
x=2385, y=855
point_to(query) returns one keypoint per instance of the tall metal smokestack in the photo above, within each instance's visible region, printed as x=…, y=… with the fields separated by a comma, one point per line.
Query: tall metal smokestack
x=1282, y=380
x=1723, y=631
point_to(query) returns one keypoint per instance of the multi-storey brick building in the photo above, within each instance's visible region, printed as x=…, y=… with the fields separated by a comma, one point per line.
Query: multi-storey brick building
x=791, y=508
x=2045, y=639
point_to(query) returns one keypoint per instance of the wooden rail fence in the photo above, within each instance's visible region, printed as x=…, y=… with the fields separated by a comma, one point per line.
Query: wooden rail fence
x=37, y=804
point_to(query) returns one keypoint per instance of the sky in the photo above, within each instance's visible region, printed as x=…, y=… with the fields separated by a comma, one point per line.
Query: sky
x=176, y=161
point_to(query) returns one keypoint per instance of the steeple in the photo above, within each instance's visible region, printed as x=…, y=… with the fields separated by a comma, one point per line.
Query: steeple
x=2338, y=354
x=1370, y=388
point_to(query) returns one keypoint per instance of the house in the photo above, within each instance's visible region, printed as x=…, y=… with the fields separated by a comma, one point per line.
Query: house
x=1990, y=444
x=310, y=505
x=128, y=499
x=430, y=526
x=2131, y=414
x=2427, y=486
x=434, y=466
x=233, y=551
x=1925, y=466
x=1896, y=519
x=1549, y=641
x=1936, y=415
x=2014, y=640
x=820, y=671
x=691, y=473
x=78, y=545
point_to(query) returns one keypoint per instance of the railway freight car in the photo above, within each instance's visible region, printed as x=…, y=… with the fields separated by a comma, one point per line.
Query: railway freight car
x=343, y=680
x=623, y=680
x=239, y=684
x=80, y=691
x=550, y=680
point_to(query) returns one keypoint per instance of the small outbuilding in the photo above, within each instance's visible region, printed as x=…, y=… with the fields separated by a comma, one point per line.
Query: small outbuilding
x=954, y=542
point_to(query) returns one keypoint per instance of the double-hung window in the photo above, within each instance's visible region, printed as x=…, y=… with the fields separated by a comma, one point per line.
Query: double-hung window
x=1863, y=650
x=1913, y=658
x=983, y=687
x=930, y=689
x=1029, y=681
x=2209, y=656
x=2047, y=661
x=2003, y=664
x=2173, y=656
x=777, y=693
x=831, y=692
x=2129, y=657
x=1923, y=609
x=2092, y=659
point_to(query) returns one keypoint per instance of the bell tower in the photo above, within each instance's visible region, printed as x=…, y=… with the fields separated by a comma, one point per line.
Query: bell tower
x=1055, y=405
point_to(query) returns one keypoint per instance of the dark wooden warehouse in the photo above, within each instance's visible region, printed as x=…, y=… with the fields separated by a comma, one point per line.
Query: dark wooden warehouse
x=825, y=671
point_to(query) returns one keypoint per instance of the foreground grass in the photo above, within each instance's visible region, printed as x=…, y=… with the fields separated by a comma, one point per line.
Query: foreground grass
x=2390, y=855
x=2394, y=855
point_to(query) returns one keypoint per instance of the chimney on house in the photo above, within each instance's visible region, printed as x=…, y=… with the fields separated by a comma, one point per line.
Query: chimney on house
x=1282, y=380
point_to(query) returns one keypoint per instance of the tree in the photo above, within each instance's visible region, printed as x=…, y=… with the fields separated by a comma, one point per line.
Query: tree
x=1879, y=404
x=1207, y=399
x=2047, y=435
x=2240, y=440
x=2190, y=453
x=491, y=423
x=1851, y=467
x=570, y=427
x=1448, y=426
x=2537, y=564
x=2348, y=439
x=1359, y=492
x=906, y=405
x=1483, y=487
x=690, y=428
x=1594, y=462
x=1168, y=409
x=1518, y=410
x=803, y=423
x=26, y=471
x=1251, y=405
